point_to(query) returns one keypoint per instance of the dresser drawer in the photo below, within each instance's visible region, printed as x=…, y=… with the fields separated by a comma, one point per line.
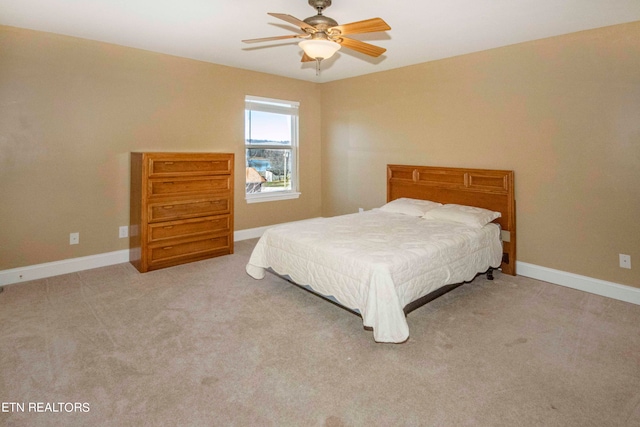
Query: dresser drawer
x=188, y=250
x=182, y=186
x=189, y=227
x=168, y=211
x=168, y=166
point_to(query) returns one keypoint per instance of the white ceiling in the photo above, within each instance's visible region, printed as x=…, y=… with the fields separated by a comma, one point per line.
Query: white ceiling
x=212, y=30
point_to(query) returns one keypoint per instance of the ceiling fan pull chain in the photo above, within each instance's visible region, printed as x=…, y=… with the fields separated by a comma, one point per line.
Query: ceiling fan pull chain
x=318, y=66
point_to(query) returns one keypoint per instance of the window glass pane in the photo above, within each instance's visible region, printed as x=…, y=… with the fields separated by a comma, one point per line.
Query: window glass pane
x=268, y=170
x=267, y=128
x=271, y=141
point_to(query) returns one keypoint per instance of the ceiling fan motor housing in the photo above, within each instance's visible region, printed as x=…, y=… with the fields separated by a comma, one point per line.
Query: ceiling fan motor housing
x=321, y=22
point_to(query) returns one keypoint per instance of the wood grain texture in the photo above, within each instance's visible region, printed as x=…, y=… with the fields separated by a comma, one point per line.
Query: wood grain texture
x=484, y=188
x=181, y=208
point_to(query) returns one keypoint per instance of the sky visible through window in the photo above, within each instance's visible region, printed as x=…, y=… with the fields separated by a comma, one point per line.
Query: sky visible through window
x=268, y=127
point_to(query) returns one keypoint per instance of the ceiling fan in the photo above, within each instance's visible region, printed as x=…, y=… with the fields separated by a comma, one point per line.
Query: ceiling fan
x=323, y=36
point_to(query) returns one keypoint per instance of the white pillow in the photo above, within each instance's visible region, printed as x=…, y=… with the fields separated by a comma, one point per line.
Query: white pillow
x=412, y=207
x=468, y=215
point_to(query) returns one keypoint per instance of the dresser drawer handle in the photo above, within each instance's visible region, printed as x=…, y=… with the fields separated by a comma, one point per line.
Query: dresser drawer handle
x=168, y=207
x=168, y=163
x=167, y=248
x=168, y=227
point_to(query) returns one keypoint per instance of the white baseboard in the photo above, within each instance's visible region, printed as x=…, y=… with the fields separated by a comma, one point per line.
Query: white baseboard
x=73, y=265
x=254, y=233
x=251, y=233
x=582, y=283
x=557, y=277
x=65, y=266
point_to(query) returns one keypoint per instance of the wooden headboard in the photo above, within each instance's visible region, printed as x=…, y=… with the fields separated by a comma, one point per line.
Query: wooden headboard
x=484, y=188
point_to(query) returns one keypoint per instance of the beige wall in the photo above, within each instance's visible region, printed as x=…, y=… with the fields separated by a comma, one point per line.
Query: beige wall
x=71, y=110
x=563, y=113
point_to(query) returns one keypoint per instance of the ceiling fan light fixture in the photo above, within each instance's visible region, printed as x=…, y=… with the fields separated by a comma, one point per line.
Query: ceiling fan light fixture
x=319, y=48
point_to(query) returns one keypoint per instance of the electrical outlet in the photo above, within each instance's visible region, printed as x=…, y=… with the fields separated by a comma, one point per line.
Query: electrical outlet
x=625, y=261
x=123, y=231
x=360, y=210
x=74, y=238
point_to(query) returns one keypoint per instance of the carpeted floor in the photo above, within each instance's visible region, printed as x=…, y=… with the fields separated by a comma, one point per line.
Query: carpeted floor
x=206, y=345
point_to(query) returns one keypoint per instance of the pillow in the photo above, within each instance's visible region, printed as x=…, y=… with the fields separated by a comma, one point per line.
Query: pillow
x=468, y=215
x=412, y=207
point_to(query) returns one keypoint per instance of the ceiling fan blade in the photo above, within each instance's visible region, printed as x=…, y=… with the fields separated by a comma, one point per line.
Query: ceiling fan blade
x=366, y=26
x=293, y=20
x=266, y=39
x=362, y=47
x=306, y=58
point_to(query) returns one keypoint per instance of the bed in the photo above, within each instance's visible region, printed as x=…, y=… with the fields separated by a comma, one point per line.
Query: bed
x=439, y=229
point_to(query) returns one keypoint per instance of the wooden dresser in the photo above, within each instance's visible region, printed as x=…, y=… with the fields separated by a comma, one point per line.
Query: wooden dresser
x=181, y=208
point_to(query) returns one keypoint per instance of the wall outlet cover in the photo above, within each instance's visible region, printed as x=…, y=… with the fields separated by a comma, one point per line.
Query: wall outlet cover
x=74, y=238
x=625, y=261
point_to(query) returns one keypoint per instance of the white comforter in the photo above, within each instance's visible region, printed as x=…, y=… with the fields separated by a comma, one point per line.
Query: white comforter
x=377, y=262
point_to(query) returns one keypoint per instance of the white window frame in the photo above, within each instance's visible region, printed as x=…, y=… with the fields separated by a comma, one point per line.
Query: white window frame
x=271, y=105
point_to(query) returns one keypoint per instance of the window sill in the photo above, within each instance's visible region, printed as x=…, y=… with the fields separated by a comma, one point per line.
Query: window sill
x=271, y=196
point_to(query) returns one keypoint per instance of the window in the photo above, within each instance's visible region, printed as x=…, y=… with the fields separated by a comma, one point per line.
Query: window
x=271, y=147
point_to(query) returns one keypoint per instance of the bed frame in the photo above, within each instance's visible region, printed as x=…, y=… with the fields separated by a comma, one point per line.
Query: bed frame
x=485, y=188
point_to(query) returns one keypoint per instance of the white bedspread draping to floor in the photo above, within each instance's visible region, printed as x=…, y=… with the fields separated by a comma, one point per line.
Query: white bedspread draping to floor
x=377, y=262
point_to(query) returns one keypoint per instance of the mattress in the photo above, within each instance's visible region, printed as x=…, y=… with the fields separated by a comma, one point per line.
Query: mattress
x=377, y=262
